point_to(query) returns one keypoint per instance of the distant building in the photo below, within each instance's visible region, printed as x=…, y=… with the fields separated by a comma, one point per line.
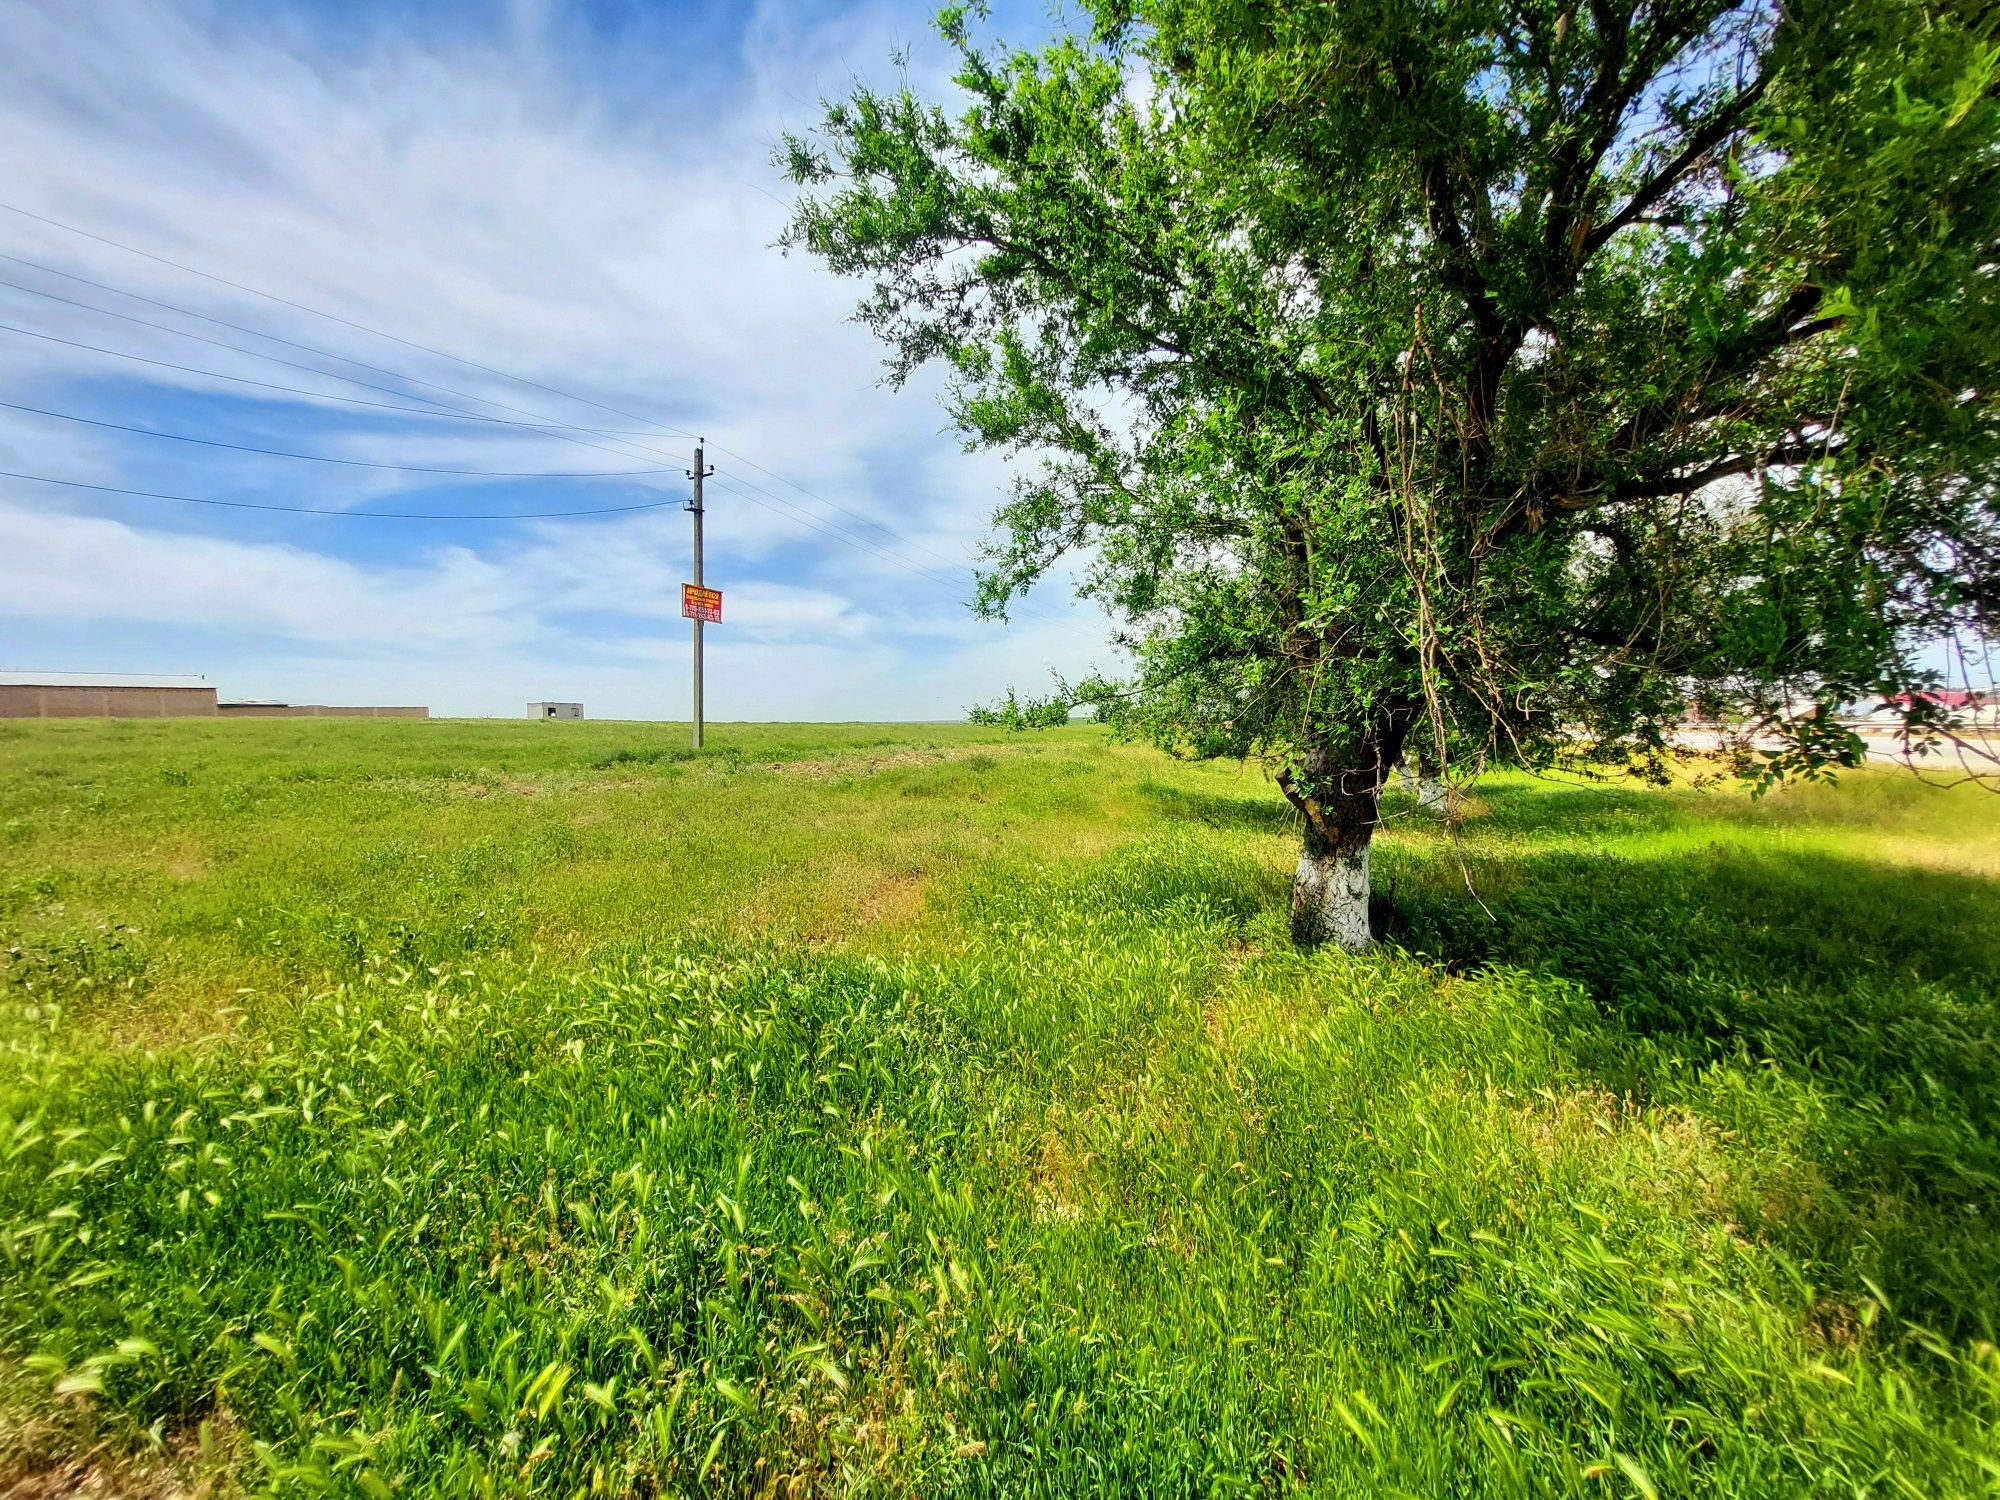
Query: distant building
x=104, y=695
x=262, y=708
x=1952, y=702
x=109, y=695
x=555, y=710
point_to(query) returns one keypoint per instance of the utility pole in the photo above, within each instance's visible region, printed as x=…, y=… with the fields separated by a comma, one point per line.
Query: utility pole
x=699, y=472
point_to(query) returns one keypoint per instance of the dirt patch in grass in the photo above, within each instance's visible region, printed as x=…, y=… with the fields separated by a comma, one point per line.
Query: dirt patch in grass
x=894, y=899
x=832, y=768
x=183, y=862
x=1058, y=1178
x=1670, y=1156
x=75, y=1480
x=95, y=1469
x=183, y=1017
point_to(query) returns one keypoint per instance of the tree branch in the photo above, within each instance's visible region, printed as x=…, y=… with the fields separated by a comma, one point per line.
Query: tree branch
x=1686, y=484
x=1719, y=127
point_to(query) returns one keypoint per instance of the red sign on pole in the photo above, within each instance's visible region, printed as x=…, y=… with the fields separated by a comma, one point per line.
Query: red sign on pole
x=698, y=603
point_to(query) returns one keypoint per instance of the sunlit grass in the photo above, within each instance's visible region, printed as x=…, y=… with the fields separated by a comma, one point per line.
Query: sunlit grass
x=501, y=1109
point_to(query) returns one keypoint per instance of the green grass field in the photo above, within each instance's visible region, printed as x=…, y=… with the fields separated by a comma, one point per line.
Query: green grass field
x=485, y=1108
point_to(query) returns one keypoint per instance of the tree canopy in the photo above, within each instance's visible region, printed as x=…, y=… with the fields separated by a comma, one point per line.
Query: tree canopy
x=1505, y=377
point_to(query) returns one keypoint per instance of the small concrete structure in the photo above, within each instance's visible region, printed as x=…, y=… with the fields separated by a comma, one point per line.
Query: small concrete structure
x=555, y=710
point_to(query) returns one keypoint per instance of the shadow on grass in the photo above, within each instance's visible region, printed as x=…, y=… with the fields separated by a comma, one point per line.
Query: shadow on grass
x=1841, y=1013
x=1263, y=812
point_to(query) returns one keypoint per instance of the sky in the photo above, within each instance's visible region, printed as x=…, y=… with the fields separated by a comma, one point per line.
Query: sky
x=579, y=195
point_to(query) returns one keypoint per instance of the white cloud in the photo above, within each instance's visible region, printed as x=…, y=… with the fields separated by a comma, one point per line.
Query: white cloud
x=69, y=567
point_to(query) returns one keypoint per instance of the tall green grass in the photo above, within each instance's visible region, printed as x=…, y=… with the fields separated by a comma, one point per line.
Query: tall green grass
x=1672, y=1176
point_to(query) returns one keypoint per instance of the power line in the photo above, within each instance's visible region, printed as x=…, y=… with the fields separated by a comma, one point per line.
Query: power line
x=904, y=563
x=954, y=562
x=321, y=458
x=833, y=505
x=779, y=506
x=359, y=515
x=266, y=385
x=914, y=567
x=332, y=317
x=202, y=338
x=838, y=533
x=624, y=445
x=438, y=353
x=385, y=515
x=806, y=520
x=67, y=672
x=561, y=431
x=257, y=333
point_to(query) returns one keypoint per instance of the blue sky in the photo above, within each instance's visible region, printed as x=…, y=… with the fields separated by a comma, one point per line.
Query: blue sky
x=579, y=194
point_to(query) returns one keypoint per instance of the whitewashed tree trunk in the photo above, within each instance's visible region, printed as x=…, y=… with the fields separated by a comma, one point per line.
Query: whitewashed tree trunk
x=1338, y=807
x=1330, y=896
x=1431, y=794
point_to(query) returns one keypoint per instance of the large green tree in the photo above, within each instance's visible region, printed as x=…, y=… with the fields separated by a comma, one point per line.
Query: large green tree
x=1517, y=377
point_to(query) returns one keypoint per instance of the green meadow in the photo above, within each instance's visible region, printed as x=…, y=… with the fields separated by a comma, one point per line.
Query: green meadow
x=452, y=1108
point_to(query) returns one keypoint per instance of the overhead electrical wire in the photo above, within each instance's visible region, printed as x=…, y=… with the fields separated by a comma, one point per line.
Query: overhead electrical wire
x=396, y=515
x=832, y=505
x=258, y=333
x=361, y=515
x=202, y=338
x=73, y=672
x=624, y=447
x=554, y=428
x=317, y=312
x=320, y=313
x=930, y=573
x=558, y=430
x=321, y=458
x=442, y=414
x=779, y=506
x=421, y=412
x=561, y=431
x=387, y=515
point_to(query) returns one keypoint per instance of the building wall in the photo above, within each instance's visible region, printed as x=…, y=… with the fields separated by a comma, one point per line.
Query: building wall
x=316, y=711
x=58, y=701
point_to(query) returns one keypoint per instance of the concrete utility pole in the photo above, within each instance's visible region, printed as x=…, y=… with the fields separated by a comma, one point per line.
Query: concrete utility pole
x=697, y=474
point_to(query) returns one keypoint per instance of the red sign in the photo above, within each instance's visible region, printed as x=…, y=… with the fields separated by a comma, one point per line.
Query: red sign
x=698, y=603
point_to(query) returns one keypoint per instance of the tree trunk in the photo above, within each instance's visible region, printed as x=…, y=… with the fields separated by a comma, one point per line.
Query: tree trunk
x=1430, y=785
x=1330, y=891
